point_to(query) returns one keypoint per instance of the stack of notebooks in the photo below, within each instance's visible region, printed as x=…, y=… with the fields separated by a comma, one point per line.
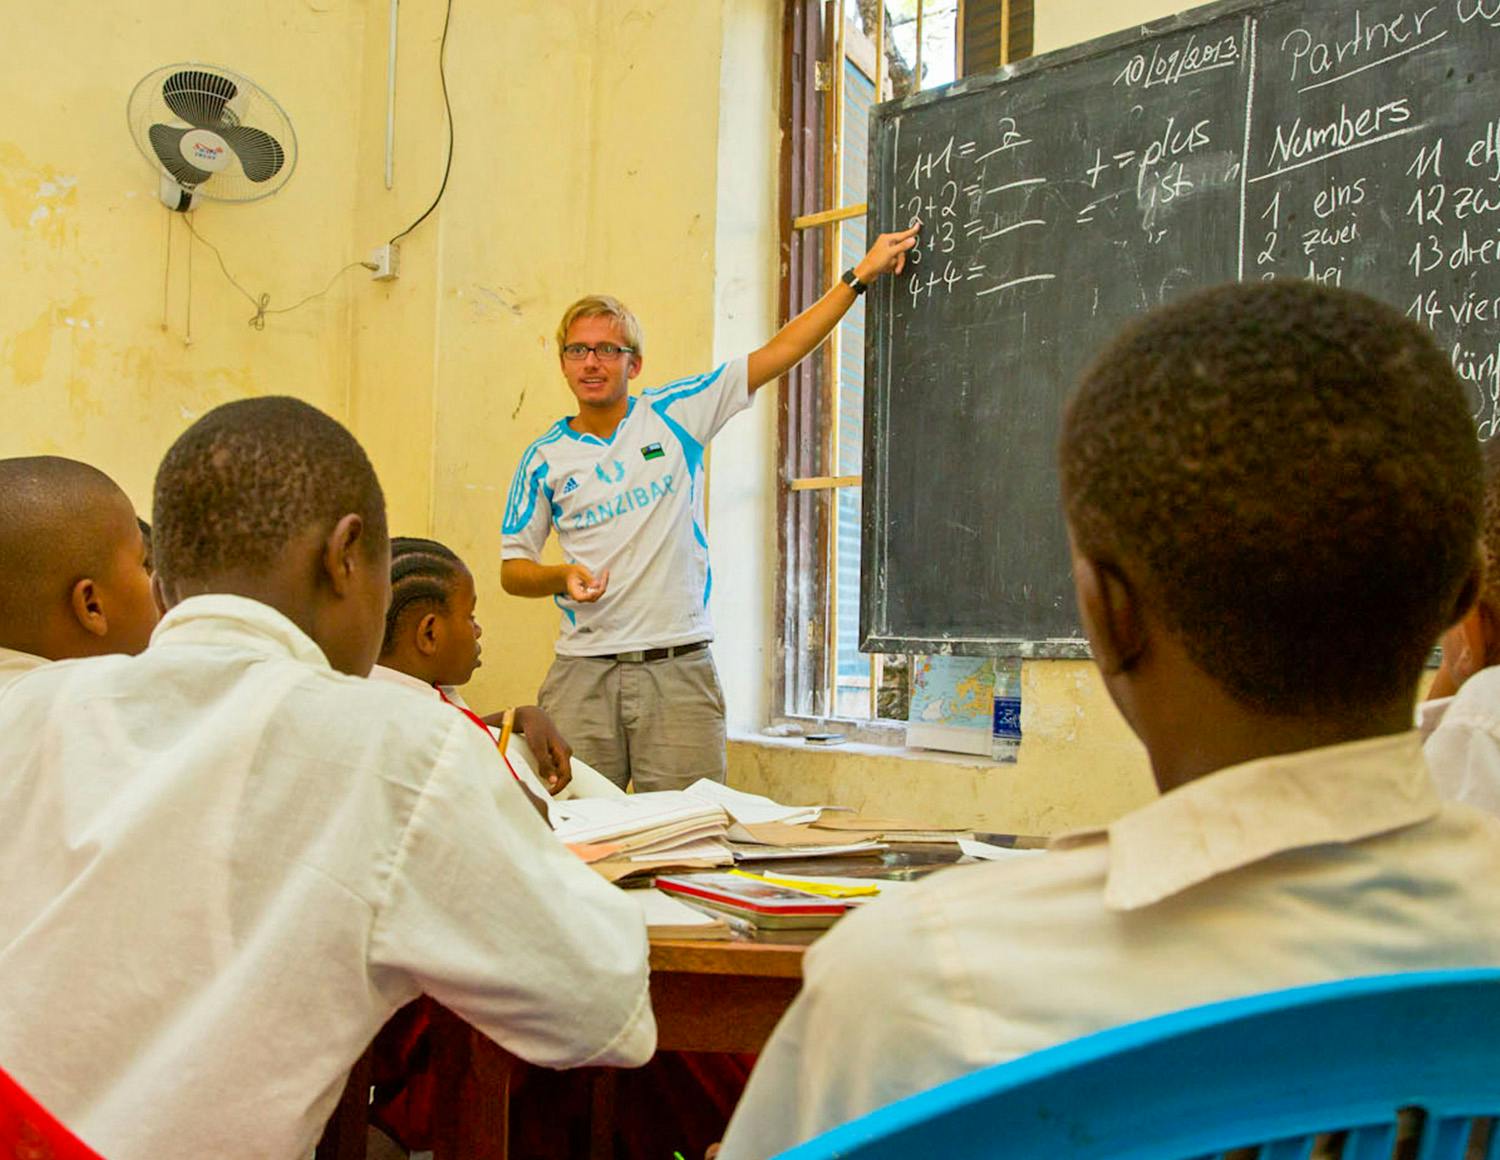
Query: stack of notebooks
x=892, y=830
x=666, y=917
x=709, y=825
x=815, y=830
x=637, y=833
x=766, y=901
x=762, y=829
x=763, y=905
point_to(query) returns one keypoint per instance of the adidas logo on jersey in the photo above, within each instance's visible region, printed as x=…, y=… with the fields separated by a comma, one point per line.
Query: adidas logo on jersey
x=571, y=485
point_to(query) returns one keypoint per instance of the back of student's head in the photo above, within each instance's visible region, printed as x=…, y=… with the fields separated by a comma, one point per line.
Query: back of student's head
x=73, y=580
x=247, y=499
x=424, y=574
x=1290, y=477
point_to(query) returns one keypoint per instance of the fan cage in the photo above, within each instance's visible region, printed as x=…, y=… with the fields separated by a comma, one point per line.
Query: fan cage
x=250, y=106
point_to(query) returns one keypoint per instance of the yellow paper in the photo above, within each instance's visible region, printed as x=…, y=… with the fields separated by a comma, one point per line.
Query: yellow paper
x=823, y=889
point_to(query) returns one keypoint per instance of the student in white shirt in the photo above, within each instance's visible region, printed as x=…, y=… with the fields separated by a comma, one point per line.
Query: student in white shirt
x=227, y=861
x=1272, y=492
x=1461, y=718
x=74, y=581
x=633, y=686
x=432, y=645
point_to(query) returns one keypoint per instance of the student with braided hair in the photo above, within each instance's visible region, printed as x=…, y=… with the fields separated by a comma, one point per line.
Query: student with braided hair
x=432, y=645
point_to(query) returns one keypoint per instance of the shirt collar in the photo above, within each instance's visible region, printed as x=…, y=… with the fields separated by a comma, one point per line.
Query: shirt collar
x=224, y=619
x=1430, y=715
x=397, y=677
x=14, y=662
x=566, y=422
x=1238, y=816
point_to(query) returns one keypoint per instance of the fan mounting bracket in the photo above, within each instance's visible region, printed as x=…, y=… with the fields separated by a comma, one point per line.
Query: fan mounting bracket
x=174, y=196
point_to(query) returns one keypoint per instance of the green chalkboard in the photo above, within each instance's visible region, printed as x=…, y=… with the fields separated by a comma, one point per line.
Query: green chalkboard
x=1354, y=143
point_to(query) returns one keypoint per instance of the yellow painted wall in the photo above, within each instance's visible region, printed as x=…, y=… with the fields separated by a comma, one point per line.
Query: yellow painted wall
x=605, y=184
x=587, y=159
x=91, y=365
x=1061, y=23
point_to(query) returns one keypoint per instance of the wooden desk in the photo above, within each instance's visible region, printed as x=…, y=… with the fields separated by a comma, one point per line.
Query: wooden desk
x=708, y=996
x=721, y=996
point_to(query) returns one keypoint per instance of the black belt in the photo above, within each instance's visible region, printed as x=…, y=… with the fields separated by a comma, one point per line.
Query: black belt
x=654, y=654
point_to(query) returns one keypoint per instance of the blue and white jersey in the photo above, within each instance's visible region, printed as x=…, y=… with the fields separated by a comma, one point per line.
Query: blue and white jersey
x=632, y=504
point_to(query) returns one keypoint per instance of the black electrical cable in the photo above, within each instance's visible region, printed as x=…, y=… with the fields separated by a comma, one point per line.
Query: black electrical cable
x=448, y=110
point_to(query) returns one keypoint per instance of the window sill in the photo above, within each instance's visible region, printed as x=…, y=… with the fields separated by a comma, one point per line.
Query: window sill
x=878, y=733
x=892, y=751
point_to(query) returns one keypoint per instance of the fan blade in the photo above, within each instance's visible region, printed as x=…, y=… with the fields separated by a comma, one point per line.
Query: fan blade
x=260, y=154
x=198, y=97
x=165, y=141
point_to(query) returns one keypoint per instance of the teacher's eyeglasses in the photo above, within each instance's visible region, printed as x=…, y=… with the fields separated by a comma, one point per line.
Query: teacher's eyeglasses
x=603, y=351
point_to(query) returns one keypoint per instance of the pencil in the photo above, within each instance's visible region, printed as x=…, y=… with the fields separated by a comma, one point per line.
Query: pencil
x=507, y=723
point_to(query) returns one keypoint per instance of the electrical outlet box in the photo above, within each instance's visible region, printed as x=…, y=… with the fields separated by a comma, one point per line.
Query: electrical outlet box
x=385, y=262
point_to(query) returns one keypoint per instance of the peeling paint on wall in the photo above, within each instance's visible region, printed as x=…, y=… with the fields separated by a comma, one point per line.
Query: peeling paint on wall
x=27, y=351
x=36, y=198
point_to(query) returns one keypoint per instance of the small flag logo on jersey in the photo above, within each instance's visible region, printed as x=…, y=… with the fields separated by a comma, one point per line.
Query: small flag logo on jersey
x=571, y=485
x=652, y=451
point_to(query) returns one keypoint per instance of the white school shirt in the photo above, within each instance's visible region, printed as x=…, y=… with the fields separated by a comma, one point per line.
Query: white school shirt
x=585, y=782
x=14, y=662
x=1463, y=741
x=632, y=504
x=1322, y=865
x=226, y=865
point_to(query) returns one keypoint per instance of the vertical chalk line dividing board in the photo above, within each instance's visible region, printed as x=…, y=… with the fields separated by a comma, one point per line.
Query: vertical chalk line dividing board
x=1356, y=144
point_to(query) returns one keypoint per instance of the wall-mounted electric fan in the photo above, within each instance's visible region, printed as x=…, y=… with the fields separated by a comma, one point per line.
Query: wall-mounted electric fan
x=212, y=133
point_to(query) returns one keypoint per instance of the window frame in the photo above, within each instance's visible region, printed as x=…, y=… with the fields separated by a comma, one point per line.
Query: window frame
x=804, y=677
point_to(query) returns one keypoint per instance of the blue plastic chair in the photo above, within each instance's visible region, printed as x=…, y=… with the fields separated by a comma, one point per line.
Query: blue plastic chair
x=1269, y=1072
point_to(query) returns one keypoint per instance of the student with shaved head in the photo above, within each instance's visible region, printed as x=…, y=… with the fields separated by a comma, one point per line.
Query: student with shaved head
x=229, y=860
x=73, y=576
x=1273, y=499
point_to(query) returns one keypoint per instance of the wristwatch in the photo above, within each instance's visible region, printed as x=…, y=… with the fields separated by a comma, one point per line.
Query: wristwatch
x=851, y=280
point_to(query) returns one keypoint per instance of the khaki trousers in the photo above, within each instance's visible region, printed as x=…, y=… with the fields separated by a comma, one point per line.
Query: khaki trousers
x=660, y=723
